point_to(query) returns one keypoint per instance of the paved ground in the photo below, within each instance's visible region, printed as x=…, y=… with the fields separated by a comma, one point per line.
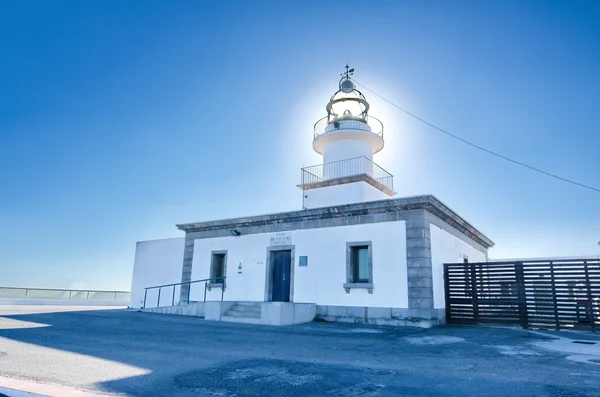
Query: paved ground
x=141, y=354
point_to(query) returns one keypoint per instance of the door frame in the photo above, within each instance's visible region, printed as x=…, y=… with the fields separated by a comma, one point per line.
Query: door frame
x=269, y=270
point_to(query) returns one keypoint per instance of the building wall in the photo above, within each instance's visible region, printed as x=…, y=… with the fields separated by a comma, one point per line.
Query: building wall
x=347, y=193
x=447, y=248
x=156, y=262
x=322, y=281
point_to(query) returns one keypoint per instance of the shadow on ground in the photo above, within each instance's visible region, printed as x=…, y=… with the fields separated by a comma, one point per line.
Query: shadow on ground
x=141, y=354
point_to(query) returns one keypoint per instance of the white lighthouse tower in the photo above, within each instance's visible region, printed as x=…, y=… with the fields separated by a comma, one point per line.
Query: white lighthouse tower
x=347, y=138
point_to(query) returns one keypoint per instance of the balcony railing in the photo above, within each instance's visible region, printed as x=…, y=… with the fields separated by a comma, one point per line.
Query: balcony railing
x=371, y=124
x=316, y=174
x=62, y=294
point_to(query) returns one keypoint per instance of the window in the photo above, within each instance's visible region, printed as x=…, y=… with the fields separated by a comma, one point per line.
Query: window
x=218, y=268
x=359, y=266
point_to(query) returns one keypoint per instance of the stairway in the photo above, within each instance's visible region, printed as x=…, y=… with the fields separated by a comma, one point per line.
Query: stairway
x=243, y=312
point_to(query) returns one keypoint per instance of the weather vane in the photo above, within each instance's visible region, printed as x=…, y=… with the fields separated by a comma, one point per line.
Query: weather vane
x=349, y=72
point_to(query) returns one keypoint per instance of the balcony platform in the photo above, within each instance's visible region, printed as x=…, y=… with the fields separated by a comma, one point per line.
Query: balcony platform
x=348, y=179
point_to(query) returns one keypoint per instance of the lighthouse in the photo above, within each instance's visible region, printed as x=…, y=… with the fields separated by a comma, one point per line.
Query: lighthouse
x=347, y=137
x=353, y=253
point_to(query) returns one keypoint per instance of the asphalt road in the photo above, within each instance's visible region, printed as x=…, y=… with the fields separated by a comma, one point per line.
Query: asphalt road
x=140, y=354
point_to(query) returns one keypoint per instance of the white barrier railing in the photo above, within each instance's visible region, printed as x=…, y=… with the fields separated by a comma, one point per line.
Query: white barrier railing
x=12, y=293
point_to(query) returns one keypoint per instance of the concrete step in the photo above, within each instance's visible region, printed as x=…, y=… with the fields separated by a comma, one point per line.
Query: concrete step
x=245, y=308
x=233, y=313
x=246, y=320
x=248, y=304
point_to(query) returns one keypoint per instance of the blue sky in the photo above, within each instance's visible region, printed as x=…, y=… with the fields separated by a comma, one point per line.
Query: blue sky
x=119, y=119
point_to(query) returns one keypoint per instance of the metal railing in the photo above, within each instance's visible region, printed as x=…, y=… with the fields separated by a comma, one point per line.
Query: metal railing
x=14, y=293
x=370, y=124
x=219, y=281
x=346, y=168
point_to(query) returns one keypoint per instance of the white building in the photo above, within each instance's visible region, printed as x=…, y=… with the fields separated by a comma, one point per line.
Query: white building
x=354, y=253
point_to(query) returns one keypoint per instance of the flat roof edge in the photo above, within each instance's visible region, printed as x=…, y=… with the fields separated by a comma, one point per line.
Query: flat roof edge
x=425, y=202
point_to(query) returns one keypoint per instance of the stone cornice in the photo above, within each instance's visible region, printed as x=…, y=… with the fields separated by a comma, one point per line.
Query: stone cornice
x=428, y=203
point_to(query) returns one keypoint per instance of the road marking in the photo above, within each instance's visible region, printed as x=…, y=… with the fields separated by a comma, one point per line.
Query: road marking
x=23, y=388
x=581, y=358
x=17, y=393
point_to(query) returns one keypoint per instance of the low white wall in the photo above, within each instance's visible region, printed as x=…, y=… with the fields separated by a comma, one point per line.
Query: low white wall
x=347, y=193
x=284, y=313
x=62, y=302
x=322, y=281
x=156, y=262
x=192, y=309
x=447, y=248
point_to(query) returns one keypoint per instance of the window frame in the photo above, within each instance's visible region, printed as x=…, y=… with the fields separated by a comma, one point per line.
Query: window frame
x=351, y=266
x=213, y=264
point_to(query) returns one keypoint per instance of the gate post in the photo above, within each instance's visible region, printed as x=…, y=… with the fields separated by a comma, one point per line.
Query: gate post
x=554, y=298
x=590, y=301
x=447, y=294
x=474, y=296
x=520, y=277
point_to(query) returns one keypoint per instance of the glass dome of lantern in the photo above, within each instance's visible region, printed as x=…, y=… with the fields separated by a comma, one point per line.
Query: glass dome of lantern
x=347, y=110
x=347, y=103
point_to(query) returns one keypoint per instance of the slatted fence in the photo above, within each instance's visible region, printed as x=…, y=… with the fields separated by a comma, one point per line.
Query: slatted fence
x=553, y=294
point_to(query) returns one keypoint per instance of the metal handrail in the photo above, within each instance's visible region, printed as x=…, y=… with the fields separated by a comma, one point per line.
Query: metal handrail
x=216, y=280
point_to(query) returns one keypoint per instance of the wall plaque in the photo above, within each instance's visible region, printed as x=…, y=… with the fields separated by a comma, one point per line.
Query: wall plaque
x=281, y=238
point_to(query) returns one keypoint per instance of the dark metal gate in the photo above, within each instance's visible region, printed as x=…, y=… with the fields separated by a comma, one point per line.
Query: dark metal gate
x=550, y=294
